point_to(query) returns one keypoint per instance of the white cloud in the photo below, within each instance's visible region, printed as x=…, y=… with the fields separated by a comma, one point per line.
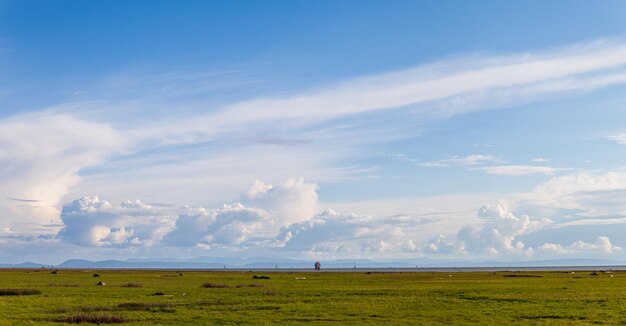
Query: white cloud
x=292, y=201
x=265, y=225
x=267, y=208
x=41, y=156
x=440, y=89
x=540, y=160
x=231, y=226
x=619, y=137
x=469, y=160
x=601, y=245
x=589, y=194
x=497, y=234
x=91, y=221
x=515, y=170
x=579, y=67
x=334, y=232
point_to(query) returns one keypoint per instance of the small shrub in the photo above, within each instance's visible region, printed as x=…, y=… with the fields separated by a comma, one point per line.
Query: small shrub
x=132, y=285
x=54, y=272
x=82, y=318
x=19, y=292
x=215, y=285
x=96, y=275
x=261, y=277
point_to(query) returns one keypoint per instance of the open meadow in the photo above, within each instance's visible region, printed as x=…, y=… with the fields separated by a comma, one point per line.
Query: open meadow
x=230, y=297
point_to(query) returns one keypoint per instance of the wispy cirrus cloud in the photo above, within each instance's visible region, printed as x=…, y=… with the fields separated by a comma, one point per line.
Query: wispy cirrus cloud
x=618, y=137
x=515, y=170
x=469, y=160
x=440, y=89
x=478, y=79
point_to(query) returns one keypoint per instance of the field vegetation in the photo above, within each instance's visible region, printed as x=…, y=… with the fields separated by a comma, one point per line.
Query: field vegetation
x=36, y=297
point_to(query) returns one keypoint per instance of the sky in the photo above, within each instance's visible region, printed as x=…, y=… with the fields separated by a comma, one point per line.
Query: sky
x=316, y=130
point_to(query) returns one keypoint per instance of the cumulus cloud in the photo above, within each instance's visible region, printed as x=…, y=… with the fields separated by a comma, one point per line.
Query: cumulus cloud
x=229, y=226
x=268, y=220
x=91, y=221
x=265, y=209
x=40, y=157
x=351, y=233
x=498, y=233
x=601, y=245
x=291, y=201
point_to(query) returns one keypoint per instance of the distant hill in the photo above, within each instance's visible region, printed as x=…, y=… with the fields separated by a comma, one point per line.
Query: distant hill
x=271, y=263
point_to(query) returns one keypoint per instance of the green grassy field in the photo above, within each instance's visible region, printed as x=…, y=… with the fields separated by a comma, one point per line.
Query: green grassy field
x=166, y=297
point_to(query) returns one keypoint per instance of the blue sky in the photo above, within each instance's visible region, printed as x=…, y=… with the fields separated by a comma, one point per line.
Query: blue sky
x=409, y=130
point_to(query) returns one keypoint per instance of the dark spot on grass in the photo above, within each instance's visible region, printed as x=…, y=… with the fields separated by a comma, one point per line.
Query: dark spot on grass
x=254, y=285
x=270, y=292
x=82, y=318
x=485, y=298
x=132, y=285
x=260, y=277
x=147, y=306
x=143, y=305
x=310, y=319
x=54, y=272
x=19, y=292
x=553, y=317
x=215, y=285
x=267, y=308
x=158, y=293
x=368, y=293
x=96, y=275
x=65, y=285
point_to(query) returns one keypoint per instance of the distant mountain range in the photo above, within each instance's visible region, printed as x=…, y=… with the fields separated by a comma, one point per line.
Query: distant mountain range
x=271, y=263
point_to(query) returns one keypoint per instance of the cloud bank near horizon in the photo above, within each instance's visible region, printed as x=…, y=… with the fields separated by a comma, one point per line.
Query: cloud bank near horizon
x=262, y=223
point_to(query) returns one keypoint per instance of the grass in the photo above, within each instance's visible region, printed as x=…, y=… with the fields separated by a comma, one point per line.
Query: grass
x=321, y=298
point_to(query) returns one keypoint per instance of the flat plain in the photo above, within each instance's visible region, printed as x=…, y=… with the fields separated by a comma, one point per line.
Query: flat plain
x=41, y=296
